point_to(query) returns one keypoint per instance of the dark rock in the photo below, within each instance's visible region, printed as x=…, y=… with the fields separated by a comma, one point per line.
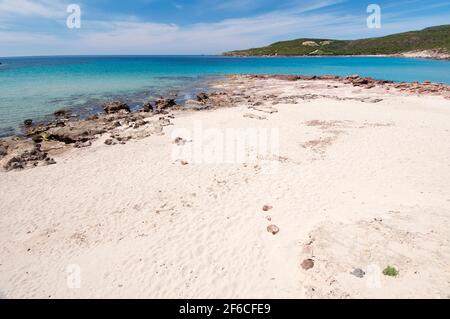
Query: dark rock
x=115, y=106
x=37, y=139
x=163, y=104
x=267, y=208
x=28, y=122
x=14, y=164
x=273, y=229
x=60, y=123
x=49, y=161
x=202, y=97
x=179, y=141
x=147, y=107
x=358, y=272
x=60, y=113
x=307, y=264
x=82, y=144
x=109, y=141
x=92, y=117
x=360, y=81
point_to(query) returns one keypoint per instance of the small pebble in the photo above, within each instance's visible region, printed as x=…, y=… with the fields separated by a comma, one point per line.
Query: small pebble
x=267, y=208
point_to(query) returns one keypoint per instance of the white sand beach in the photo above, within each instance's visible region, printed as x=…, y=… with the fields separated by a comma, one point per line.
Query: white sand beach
x=361, y=180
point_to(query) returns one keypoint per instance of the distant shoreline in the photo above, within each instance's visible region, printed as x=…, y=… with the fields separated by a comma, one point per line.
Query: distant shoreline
x=444, y=58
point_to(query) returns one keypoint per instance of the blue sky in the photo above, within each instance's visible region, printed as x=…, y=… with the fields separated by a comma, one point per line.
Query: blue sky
x=38, y=27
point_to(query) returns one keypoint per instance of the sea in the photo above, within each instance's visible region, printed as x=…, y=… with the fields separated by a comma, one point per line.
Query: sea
x=35, y=87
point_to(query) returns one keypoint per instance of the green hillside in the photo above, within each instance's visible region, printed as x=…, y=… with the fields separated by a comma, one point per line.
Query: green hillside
x=434, y=38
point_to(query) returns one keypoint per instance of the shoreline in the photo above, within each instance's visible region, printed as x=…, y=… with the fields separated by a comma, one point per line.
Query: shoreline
x=42, y=139
x=357, y=181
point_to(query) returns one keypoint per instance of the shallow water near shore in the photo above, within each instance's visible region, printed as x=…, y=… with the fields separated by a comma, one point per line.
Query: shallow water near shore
x=35, y=87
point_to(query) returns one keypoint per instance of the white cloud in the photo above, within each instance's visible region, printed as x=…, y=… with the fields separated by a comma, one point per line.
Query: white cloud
x=41, y=8
x=132, y=36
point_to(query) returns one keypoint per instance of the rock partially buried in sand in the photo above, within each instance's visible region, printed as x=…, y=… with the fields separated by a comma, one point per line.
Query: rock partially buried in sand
x=307, y=264
x=254, y=116
x=115, y=106
x=110, y=141
x=179, y=141
x=196, y=105
x=82, y=144
x=265, y=109
x=273, y=229
x=358, y=272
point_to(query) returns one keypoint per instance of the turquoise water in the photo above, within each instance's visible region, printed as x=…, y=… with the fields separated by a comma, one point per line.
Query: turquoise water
x=36, y=87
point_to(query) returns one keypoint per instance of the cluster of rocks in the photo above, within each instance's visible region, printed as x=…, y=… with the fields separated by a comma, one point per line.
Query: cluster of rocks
x=19, y=153
x=426, y=87
x=65, y=130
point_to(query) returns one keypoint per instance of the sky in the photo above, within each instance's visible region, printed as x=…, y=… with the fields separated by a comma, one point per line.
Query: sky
x=39, y=27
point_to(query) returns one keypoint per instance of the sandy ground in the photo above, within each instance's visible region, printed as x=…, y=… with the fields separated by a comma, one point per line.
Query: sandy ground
x=353, y=184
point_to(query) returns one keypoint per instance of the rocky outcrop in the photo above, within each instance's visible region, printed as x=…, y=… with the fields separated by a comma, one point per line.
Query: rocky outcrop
x=426, y=87
x=427, y=54
x=77, y=132
x=115, y=106
x=163, y=104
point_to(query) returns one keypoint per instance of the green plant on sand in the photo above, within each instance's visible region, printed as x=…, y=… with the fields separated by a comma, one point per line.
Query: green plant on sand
x=390, y=271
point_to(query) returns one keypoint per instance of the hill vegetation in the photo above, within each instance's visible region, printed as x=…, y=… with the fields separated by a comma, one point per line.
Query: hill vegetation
x=434, y=39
